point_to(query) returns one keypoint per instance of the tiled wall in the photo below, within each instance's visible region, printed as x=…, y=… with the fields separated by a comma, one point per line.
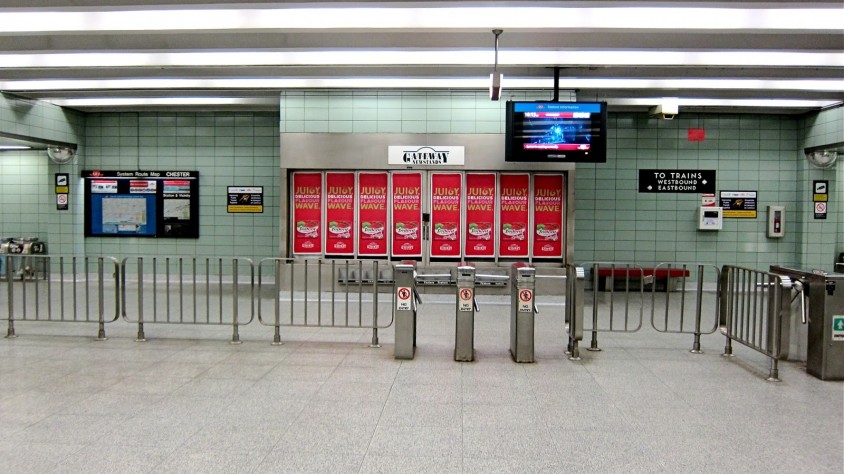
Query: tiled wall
x=614, y=222
x=396, y=111
x=821, y=239
x=27, y=195
x=228, y=149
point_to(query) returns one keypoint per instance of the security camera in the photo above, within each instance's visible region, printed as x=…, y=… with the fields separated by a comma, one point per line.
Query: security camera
x=664, y=111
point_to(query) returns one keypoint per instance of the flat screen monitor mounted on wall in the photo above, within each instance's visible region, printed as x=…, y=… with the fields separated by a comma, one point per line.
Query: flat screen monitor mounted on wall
x=556, y=132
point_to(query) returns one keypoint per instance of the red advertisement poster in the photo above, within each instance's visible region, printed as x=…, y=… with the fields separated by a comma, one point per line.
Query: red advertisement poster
x=372, y=214
x=307, y=213
x=513, y=217
x=445, y=214
x=407, y=214
x=339, y=213
x=480, y=215
x=548, y=216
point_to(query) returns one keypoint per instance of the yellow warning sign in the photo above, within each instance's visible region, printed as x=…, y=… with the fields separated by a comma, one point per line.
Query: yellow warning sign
x=245, y=208
x=739, y=213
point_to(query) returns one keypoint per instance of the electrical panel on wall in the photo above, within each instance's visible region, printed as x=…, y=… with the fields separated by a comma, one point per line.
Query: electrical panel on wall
x=710, y=218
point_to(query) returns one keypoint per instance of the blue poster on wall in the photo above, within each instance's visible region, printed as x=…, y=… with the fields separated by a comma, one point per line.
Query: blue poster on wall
x=123, y=215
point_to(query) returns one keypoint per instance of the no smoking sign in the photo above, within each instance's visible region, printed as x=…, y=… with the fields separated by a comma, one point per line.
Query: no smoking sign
x=820, y=210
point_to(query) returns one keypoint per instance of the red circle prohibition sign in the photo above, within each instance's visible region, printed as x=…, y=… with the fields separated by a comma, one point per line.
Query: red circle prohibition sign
x=525, y=295
x=465, y=294
x=404, y=293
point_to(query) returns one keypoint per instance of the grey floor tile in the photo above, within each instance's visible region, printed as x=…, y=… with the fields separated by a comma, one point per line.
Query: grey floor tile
x=377, y=464
x=433, y=441
x=399, y=413
x=122, y=458
x=190, y=459
x=298, y=462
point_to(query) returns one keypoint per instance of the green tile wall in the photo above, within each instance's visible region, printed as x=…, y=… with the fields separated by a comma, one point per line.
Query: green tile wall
x=26, y=178
x=614, y=222
x=228, y=149
x=821, y=240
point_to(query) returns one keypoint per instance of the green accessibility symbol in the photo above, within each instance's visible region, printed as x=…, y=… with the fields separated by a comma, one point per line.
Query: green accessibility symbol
x=839, y=324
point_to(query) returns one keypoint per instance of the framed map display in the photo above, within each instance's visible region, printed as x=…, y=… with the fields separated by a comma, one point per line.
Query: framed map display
x=141, y=204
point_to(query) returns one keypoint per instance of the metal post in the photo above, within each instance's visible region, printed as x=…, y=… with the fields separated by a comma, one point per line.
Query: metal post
x=698, y=310
x=141, y=337
x=276, y=289
x=101, y=303
x=10, y=332
x=593, y=345
x=235, y=333
x=374, y=342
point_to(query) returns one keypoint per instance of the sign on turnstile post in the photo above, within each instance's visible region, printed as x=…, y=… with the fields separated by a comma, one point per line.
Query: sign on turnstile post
x=464, y=325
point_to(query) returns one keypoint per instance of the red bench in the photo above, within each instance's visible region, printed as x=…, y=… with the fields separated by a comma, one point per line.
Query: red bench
x=664, y=277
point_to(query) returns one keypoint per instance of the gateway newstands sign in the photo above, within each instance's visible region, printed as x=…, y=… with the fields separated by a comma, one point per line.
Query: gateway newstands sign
x=425, y=155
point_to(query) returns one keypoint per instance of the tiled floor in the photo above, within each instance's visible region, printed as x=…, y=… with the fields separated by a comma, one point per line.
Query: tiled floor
x=188, y=401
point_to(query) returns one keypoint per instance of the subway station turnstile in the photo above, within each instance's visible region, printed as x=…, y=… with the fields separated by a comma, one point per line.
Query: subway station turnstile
x=464, y=325
x=823, y=310
x=522, y=310
x=407, y=298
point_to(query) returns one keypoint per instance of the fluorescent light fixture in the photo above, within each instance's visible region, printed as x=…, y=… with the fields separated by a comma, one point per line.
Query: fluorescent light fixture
x=424, y=18
x=162, y=101
x=217, y=101
x=422, y=58
x=707, y=102
x=821, y=85
x=14, y=147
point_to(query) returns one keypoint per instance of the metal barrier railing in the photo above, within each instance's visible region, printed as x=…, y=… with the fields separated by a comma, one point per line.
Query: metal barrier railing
x=188, y=290
x=684, y=313
x=71, y=289
x=615, y=311
x=325, y=293
x=754, y=311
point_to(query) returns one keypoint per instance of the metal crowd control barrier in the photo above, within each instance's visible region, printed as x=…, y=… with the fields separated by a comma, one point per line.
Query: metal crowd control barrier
x=606, y=317
x=690, y=291
x=404, y=311
x=684, y=314
x=575, y=283
x=341, y=293
x=188, y=290
x=75, y=289
x=755, y=306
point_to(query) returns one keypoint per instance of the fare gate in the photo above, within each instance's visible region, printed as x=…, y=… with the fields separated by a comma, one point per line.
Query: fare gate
x=822, y=310
x=407, y=299
x=467, y=305
x=522, y=310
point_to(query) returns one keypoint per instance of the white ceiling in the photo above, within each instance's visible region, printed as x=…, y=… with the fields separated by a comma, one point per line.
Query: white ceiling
x=610, y=51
